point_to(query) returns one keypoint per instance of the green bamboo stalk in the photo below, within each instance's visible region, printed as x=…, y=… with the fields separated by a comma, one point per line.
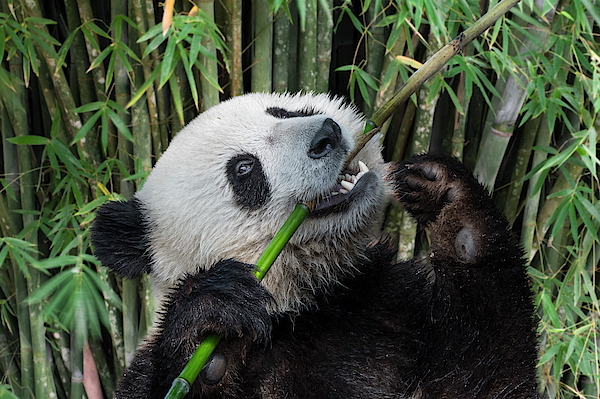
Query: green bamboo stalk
x=140, y=115
x=292, y=82
x=33, y=343
x=125, y=149
x=458, y=136
x=121, y=89
x=186, y=378
x=551, y=204
x=79, y=60
x=89, y=150
x=533, y=200
x=77, y=389
x=130, y=318
x=307, y=51
x=48, y=92
x=147, y=301
x=375, y=41
x=138, y=8
x=404, y=131
x=420, y=143
x=114, y=320
x=62, y=355
x=324, y=45
x=495, y=139
x=435, y=63
x=85, y=13
x=18, y=117
x=432, y=66
x=160, y=93
x=12, y=221
x=391, y=81
x=388, y=88
x=229, y=19
x=423, y=120
x=237, y=82
x=281, y=48
x=180, y=93
x=527, y=141
x=210, y=94
x=11, y=374
x=262, y=48
x=142, y=153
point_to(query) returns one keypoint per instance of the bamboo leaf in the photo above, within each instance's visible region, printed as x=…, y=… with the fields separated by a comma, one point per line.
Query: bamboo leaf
x=108, y=50
x=2, y=43
x=208, y=76
x=550, y=353
x=176, y=99
x=167, y=64
x=40, y=21
x=140, y=92
x=87, y=126
x=581, y=210
x=29, y=140
x=90, y=206
x=120, y=125
x=46, y=290
x=550, y=311
x=96, y=105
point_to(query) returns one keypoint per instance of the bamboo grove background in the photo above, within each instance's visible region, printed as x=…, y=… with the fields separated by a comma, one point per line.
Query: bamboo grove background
x=91, y=93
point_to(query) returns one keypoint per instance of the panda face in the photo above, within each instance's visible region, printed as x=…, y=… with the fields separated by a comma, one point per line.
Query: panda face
x=232, y=176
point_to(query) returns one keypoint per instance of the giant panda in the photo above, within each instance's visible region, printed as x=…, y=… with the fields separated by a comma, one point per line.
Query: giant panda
x=336, y=316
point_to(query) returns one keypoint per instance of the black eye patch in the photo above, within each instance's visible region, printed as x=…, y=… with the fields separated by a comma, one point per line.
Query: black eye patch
x=281, y=113
x=248, y=181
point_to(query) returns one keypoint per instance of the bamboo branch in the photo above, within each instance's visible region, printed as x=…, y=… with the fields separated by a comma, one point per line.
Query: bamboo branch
x=496, y=137
x=263, y=47
x=281, y=48
x=324, y=45
x=210, y=94
x=432, y=66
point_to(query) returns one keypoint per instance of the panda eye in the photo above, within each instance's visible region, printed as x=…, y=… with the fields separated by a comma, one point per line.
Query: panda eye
x=249, y=184
x=244, y=167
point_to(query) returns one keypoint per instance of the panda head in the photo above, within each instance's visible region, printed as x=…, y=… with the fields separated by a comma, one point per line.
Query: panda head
x=228, y=182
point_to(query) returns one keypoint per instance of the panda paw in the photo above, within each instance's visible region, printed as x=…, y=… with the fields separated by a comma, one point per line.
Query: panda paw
x=426, y=183
x=226, y=300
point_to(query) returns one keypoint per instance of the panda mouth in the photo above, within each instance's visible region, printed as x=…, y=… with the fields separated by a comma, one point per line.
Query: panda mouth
x=337, y=198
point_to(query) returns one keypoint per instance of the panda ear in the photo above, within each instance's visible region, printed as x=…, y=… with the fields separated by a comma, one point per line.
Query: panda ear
x=120, y=238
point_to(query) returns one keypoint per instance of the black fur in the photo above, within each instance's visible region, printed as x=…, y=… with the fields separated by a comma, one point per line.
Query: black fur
x=248, y=181
x=281, y=113
x=119, y=235
x=226, y=300
x=450, y=326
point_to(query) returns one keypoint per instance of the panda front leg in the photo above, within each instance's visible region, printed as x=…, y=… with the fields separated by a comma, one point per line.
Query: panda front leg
x=481, y=339
x=226, y=300
x=463, y=222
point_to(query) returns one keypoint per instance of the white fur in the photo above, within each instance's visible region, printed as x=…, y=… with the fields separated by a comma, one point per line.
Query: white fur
x=195, y=222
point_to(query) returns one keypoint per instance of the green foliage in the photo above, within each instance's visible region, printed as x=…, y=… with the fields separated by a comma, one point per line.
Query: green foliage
x=72, y=144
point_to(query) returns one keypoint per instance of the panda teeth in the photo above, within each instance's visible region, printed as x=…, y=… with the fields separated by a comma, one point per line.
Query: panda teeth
x=363, y=167
x=347, y=185
x=348, y=181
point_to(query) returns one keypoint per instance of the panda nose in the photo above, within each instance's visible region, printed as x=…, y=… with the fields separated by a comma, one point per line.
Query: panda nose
x=327, y=139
